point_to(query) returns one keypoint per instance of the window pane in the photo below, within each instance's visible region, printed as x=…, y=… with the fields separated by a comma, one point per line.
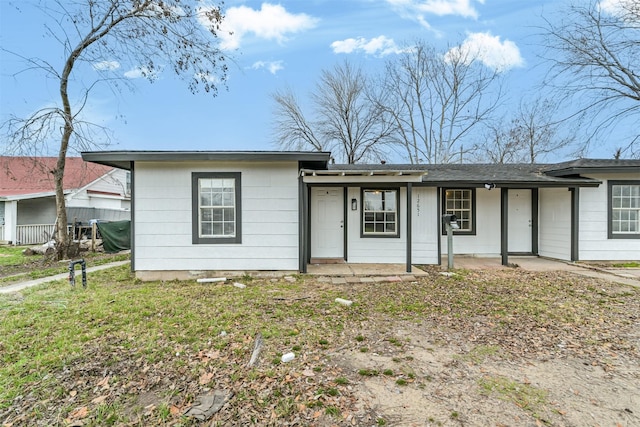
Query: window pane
x=390, y=228
x=229, y=229
x=228, y=214
x=368, y=227
x=206, y=214
x=217, y=214
x=390, y=200
x=206, y=229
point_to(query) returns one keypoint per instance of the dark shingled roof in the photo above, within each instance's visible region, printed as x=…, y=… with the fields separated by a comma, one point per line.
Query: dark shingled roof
x=575, y=167
x=502, y=175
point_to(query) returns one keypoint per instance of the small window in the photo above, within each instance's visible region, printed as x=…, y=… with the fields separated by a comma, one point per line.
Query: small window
x=216, y=207
x=624, y=209
x=380, y=213
x=461, y=203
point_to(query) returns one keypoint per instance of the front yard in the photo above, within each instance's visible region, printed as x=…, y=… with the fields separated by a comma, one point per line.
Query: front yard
x=504, y=347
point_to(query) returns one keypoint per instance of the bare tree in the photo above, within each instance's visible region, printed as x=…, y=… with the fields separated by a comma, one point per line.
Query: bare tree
x=344, y=119
x=529, y=135
x=595, y=48
x=435, y=99
x=144, y=33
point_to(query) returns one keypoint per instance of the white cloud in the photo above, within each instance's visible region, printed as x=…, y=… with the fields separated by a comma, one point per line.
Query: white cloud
x=418, y=9
x=379, y=46
x=501, y=56
x=272, y=66
x=617, y=7
x=139, y=72
x=271, y=22
x=208, y=77
x=106, y=65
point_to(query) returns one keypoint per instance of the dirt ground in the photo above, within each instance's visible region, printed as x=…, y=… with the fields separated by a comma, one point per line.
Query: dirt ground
x=446, y=391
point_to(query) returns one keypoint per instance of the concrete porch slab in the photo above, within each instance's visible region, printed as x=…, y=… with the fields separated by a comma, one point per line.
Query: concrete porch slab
x=363, y=270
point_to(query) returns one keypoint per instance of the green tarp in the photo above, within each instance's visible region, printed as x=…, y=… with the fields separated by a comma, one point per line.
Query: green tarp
x=116, y=235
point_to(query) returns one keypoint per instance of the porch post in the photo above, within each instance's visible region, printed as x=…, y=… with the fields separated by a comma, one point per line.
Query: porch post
x=303, y=209
x=409, y=221
x=575, y=223
x=11, y=221
x=504, y=225
x=534, y=220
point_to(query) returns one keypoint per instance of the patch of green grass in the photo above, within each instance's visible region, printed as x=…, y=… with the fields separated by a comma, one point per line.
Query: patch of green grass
x=387, y=372
x=401, y=381
x=631, y=264
x=332, y=410
x=359, y=338
x=479, y=354
x=12, y=255
x=364, y=349
x=526, y=396
x=37, y=272
x=368, y=372
x=341, y=381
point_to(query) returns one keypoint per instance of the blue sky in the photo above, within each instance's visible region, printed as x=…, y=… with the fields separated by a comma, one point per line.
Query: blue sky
x=278, y=45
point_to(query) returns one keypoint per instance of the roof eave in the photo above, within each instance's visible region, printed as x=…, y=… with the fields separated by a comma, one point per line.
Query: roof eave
x=125, y=159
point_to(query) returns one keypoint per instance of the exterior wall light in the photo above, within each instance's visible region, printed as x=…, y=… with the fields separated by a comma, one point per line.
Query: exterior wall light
x=354, y=204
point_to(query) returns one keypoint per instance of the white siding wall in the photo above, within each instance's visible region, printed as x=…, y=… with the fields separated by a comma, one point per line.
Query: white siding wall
x=425, y=225
x=594, y=245
x=391, y=250
x=163, y=218
x=486, y=241
x=113, y=183
x=555, y=223
x=37, y=211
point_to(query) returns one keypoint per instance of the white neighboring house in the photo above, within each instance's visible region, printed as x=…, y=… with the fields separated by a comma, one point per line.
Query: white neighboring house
x=197, y=212
x=27, y=196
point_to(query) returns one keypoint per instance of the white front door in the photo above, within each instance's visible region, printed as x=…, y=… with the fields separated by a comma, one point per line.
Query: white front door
x=519, y=221
x=327, y=223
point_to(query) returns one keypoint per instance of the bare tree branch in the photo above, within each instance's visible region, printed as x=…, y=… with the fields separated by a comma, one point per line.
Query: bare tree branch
x=436, y=99
x=345, y=121
x=595, y=52
x=143, y=33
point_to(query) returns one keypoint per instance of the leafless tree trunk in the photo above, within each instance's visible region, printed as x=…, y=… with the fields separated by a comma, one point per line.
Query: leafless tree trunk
x=595, y=51
x=436, y=99
x=344, y=121
x=145, y=34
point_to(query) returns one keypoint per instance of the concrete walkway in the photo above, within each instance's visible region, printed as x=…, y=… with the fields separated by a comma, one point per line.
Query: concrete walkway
x=368, y=273
x=376, y=273
x=23, y=285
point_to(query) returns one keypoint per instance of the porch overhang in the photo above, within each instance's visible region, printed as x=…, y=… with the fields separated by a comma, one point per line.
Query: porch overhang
x=350, y=176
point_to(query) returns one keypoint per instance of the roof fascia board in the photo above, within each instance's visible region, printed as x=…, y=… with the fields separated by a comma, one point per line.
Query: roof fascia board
x=123, y=159
x=32, y=196
x=519, y=184
x=361, y=179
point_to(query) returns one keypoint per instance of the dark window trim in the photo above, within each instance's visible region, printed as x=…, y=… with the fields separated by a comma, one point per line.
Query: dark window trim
x=473, y=210
x=610, y=234
x=396, y=235
x=195, y=237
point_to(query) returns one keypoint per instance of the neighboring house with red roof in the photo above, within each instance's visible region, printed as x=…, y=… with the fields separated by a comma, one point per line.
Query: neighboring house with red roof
x=27, y=196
